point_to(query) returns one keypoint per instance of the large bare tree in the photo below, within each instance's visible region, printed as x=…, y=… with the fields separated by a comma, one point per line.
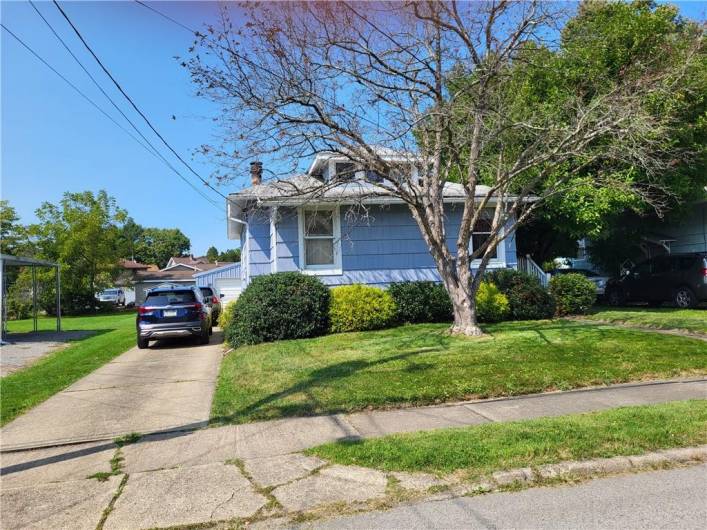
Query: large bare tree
x=441, y=83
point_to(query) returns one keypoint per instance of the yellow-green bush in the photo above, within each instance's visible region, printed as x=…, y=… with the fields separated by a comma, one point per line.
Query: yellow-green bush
x=491, y=304
x=227, y=314
x=360, y=308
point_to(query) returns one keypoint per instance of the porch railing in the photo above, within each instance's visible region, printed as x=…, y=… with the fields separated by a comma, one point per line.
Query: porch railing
x=527, y=265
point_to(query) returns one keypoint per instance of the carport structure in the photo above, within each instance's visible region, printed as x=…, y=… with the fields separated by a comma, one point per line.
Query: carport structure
x=18, y=261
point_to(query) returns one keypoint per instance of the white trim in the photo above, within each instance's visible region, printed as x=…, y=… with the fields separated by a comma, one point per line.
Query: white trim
x=320, y=270
x=273, y=239
x=166, y=280
x=499, y=260
x=192, y=267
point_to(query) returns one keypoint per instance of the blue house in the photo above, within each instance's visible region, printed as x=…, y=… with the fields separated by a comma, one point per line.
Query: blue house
x=351, y=232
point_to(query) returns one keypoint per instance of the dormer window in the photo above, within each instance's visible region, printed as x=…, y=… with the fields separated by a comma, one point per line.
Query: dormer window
x=344, y=170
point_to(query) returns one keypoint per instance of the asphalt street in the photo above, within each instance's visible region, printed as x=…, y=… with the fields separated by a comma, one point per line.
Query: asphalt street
x=674, y=498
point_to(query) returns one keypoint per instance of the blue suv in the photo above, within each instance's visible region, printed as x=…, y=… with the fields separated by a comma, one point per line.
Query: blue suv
x=173, y=311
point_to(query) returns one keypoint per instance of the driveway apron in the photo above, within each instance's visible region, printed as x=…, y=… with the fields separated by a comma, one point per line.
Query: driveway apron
x=167, y=387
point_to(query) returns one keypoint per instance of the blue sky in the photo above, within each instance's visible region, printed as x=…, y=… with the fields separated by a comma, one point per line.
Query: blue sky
x=54, y=141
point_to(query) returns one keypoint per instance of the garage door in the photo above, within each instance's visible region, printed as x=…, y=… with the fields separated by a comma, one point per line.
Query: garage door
x=230, y=288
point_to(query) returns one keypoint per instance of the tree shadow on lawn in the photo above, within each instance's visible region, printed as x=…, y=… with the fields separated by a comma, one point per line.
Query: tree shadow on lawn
x=320, y=377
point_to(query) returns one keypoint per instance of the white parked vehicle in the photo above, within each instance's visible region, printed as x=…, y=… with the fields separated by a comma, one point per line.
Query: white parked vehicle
x=114, y=295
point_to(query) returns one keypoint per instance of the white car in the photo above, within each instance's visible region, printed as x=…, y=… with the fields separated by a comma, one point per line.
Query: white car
x=115, y=296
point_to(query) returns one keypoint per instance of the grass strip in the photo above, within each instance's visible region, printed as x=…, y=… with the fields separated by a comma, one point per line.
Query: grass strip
x=422, y=364
x=22, y=390
x=480, y=450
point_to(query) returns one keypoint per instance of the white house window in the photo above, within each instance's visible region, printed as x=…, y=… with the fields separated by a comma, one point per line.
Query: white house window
x=481, y=233
x=320, y=240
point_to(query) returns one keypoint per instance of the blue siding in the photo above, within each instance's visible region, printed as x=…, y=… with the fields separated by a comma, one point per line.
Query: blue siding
x=384, y=247
x=206, y=279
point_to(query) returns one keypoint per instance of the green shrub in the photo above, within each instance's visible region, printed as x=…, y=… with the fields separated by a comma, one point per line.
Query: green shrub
x=528, y=300
x=18, y=309
x=574, y=294
x=360, y=308
x=227, y=314
x=286, y=305
x=421, y=302
x=491, y=303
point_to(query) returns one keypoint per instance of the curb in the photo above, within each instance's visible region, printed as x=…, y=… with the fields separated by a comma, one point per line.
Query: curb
x=589, y=468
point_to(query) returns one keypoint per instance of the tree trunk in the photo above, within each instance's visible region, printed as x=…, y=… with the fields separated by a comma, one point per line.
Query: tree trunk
x=464, y=308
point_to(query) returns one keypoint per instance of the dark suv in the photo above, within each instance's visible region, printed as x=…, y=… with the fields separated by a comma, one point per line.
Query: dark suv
x=677, y=278
x=173, y=311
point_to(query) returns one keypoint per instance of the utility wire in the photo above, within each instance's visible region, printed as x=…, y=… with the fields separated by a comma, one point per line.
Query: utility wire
x=155, y=151
x=254, y=65
x=66, y=47
x=97, y=107
x=83, y=95
x=132, y=103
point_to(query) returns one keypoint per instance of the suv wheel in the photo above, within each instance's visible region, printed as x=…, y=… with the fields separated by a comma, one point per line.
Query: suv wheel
x=615, y=297
x=204, y=337
x=142, y=343
x=684, y=297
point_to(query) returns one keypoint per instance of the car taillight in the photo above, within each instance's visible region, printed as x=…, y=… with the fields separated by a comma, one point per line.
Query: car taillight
x=142, y=310
x=214, y=300
x=198, y=307
x=704, y=271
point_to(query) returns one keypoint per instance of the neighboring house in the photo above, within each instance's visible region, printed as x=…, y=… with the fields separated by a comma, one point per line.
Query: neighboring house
x=224, y=279
x=179, y=270
x=687, y=235
x=338, y=235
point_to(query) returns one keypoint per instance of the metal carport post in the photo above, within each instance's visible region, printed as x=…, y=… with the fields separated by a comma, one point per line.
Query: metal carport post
x=19, y=261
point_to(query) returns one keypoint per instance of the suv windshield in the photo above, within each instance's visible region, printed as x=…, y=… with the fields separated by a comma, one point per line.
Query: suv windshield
x=170, y=298
x=207, y=291
x=110, y=291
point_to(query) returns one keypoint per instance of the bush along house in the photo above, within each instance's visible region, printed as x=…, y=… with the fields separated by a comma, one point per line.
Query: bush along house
x=344, y=233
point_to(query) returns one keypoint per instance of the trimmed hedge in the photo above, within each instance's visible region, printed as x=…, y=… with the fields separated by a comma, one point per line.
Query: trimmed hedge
x=285, y=305
x=528, y=300
x=360, y=308
x=491, y=304
x=417, y=302
x=574, y=294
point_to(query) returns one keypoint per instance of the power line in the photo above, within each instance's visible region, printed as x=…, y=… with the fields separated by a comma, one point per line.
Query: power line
x=132, y=103
x=155, y=151
x=26, y=46
x=97, y=107
x=66, y=47
x=255, y=65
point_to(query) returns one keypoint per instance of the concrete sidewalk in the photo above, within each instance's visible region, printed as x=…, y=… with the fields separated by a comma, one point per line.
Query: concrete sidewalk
x=182, y=478
x=166, y=387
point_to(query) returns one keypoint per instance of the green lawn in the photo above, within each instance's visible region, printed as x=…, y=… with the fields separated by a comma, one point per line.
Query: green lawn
x=22, y=390
x=480, y=450
x=694, y=320
x=422, y=364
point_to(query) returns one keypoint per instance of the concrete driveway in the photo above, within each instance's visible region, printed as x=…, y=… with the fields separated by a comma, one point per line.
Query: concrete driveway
x=166, y=387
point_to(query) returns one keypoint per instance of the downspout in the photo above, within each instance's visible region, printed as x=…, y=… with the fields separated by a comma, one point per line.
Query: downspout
x=244, y=248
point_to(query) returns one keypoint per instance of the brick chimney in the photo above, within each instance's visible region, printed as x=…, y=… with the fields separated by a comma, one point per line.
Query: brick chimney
x=256, y=173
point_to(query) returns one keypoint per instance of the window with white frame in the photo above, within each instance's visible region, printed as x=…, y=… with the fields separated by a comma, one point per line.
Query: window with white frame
x=320, y=239
x=482, y=232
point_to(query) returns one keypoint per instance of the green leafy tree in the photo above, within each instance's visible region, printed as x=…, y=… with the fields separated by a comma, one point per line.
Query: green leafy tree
x=13, y=235
x=82, y=234
x=212, y=254
x=157, y=245
x=232, y=255
x=130, y=235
